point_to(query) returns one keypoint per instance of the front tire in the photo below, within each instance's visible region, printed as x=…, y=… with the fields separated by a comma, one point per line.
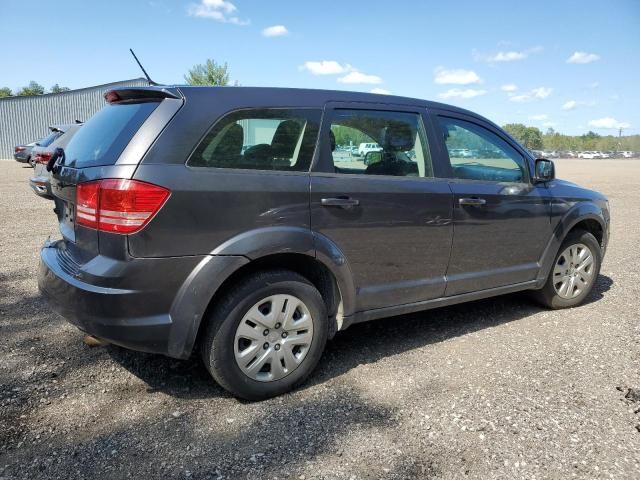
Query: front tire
x=574, y=272
x=266, y=336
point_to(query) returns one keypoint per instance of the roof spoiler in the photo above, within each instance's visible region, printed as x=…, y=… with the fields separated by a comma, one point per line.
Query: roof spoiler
x=124, y=94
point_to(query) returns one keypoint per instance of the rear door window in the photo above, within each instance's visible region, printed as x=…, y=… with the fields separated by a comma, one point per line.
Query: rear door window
x=103, y=138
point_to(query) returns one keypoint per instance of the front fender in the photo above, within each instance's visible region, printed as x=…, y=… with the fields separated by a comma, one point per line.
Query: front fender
x=577, y=213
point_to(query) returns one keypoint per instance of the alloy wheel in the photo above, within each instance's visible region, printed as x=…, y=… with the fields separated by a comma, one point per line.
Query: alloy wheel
x=573, y=271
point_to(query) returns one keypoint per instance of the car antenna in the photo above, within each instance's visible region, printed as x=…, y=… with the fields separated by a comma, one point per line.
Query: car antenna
x=151, y=82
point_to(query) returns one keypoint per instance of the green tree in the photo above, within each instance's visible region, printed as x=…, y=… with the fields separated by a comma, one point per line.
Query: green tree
x=34, y=88
x=57, y=89
x=209, y=73
x=529, y=137
x=588, y=140
x=5, y=92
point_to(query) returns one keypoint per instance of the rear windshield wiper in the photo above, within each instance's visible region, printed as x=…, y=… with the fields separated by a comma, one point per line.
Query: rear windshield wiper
x=58, y=153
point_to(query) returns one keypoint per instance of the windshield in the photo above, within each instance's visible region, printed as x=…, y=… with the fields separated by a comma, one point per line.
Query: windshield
x=103, y=138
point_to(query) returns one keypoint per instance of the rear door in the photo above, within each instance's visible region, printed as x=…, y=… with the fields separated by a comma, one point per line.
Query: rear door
x=385, y=211
x=501, y=219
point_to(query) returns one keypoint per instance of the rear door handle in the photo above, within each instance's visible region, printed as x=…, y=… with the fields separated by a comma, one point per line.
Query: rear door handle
x=342, y=202
x=473, y=201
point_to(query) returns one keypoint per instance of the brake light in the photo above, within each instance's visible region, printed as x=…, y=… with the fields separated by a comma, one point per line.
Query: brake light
x=117, y=205
x=19, y=149
x=42, y=158
x=112, y=96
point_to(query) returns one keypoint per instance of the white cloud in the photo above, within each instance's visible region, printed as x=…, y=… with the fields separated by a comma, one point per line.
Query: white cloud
x=275, y=31
x=507, y=57
x=534, y=94
x=380, y=91
x=608, y=122
x=569, y=105
x=583, y=57
x=460, y=93
x=594, y=85
x=542, y=116
x=455, y=77
x=356, y=77
x=219, y=10
x=509, y=88
x=326, y=67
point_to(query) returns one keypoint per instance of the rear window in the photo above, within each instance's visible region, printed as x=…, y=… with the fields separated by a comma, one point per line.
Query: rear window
x=103, y=138
x=48, y=140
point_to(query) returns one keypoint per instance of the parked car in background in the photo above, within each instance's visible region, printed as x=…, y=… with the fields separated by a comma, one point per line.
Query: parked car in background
x=40, y=182
x=604, y=154
x=626, y=154
x=40, y=150
x=173, y=241
x=22, y=153
x=589, y=155
x=365, y=148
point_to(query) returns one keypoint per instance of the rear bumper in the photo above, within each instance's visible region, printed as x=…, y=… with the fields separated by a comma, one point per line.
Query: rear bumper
x=129, y=303
x=41, y=186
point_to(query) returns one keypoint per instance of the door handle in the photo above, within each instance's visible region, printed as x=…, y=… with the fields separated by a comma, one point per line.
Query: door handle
x=342, y=202
x=473, y=201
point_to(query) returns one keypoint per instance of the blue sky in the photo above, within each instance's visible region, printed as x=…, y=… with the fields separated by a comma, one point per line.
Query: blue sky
x=572, y=65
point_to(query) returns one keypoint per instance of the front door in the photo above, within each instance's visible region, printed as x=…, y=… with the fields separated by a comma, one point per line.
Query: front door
x=384, y=209
x=501, y=219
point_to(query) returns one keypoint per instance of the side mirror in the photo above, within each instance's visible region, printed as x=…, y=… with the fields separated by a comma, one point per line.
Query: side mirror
x=545, y=170
x=372, y=157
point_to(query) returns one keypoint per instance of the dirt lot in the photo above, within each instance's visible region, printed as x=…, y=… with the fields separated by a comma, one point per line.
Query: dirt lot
x=493, y=389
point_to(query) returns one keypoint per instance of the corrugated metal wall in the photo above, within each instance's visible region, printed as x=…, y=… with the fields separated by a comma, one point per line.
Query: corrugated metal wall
x=26, y=119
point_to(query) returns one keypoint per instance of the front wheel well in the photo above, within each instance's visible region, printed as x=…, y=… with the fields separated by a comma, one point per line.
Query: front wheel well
x=591, y=226
x=310, y=268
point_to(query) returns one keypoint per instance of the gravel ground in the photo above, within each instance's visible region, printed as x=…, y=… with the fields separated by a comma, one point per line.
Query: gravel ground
x=492, y=389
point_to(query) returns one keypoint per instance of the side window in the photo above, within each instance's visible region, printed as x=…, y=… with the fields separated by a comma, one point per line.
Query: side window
x=260, y=139
x=379, y=143
x=476, y=153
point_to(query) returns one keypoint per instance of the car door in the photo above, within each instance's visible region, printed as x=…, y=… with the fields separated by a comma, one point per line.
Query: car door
x=385, y=211
x=501, y=219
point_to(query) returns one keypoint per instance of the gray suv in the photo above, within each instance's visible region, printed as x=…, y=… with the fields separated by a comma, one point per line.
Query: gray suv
x=237, y=223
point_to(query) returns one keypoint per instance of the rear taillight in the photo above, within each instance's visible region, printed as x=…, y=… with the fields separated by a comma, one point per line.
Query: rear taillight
x=19, y=149
x=42, y=158
x=118, y=206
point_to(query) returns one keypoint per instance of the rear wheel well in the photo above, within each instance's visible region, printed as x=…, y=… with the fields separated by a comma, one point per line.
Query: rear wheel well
x=591, y=226
x=310, y=268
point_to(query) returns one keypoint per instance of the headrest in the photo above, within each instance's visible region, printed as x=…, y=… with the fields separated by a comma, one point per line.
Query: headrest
x=231, y=143
x=398, y=136
x=285, y=139
x=332, y=140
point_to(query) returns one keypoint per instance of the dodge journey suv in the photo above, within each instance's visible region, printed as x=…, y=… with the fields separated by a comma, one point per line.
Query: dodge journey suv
x=226, y=221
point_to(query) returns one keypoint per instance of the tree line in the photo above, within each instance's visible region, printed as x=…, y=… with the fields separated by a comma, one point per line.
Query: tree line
x=533, y=139
x=34, y=88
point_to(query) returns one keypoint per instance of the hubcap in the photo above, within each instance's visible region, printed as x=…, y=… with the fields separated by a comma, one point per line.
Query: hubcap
x=273, y=338
x=573, y=272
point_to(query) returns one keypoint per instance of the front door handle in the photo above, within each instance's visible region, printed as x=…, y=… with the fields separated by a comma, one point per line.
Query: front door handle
x=473, y=201
x=342, y=202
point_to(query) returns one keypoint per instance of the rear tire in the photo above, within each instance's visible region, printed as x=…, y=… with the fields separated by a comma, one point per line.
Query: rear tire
x=572, y=275
x=245, y=352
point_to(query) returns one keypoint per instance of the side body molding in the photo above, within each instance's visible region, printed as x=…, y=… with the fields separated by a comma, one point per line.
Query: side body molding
x=575, y=214
x=198, y=289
